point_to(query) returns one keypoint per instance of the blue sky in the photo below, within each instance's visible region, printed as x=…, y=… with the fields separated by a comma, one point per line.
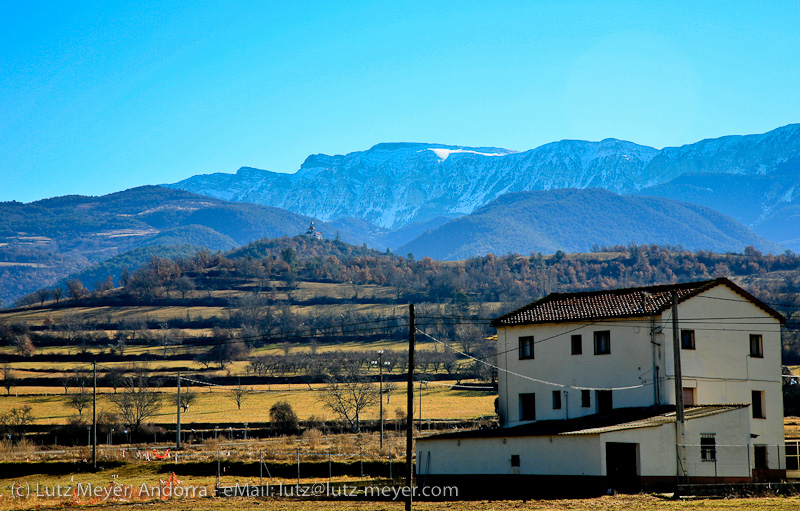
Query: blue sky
x=103, y=96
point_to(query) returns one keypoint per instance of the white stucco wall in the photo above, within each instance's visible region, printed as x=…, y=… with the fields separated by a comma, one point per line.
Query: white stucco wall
x=720, y=368
x=552, y=455
x=657, y=450
x=585, y=455
x=630, y=363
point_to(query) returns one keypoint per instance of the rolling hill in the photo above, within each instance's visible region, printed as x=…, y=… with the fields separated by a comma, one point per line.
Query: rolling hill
x=574, y=220
x=43, y=242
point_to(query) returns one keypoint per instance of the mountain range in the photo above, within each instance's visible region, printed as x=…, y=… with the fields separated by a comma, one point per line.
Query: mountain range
x=447, y=202
x=753, y=178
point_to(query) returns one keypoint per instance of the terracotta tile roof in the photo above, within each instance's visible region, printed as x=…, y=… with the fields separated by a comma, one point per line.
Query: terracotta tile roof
x=614, y=303
x=616, y=420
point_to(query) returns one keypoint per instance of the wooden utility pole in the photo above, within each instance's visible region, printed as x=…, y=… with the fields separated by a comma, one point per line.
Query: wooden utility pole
x=380, y=390
x=412, y=330
x=178, y=432
x=680, y=431
x=94, y=417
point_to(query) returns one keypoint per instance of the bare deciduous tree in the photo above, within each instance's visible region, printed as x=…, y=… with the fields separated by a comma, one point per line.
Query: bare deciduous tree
x=184, y=285
x=113, y=378
x=468, y=336
x=24, y=345
x=388, y=388
x=79, y=400
x=238, y=394
x=188, y=397
x=43, y=295
x=350, y=395
x=139, y=399
x=75, y=289
x=15, y=420
x=9, y=378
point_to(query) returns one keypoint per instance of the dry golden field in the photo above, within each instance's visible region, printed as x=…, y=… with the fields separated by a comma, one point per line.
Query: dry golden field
x=215, y=404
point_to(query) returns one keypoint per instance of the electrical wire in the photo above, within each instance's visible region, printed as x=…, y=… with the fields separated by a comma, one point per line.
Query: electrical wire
x=530, y=378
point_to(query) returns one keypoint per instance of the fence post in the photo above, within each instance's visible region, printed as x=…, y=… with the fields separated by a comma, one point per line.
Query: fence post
x=330, y=468
x=361, y=461
x=298, y=466
x=261, y=467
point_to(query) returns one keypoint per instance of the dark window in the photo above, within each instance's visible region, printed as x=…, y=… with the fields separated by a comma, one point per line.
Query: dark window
x=556, y=400
x=527, y=407
x=577, y=344
x=756, y=346
x=687, y=339
x=760, y=455
x=602, y=342
x=604, y=401
x=515, y=460
x=526, y=347
x=759, y=411
x=586, y=399
x=708, y=447
x=792, y=455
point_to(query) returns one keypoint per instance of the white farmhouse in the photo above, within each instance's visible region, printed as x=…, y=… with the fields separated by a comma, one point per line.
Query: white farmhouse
x=587, y=395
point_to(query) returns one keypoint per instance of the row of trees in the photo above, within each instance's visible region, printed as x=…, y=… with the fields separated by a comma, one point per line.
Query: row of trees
x=510, y=278
x=347, y=394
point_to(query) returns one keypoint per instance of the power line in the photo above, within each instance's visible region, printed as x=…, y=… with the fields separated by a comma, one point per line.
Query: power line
x=539, y=341
x=537, y=380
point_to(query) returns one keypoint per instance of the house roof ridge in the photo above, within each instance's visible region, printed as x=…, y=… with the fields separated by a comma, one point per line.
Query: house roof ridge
x=641, y=301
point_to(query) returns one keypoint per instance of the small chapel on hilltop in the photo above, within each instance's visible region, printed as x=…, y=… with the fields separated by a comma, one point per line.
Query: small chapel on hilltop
x=312, y=232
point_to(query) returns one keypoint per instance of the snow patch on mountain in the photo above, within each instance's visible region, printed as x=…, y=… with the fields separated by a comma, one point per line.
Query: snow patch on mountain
x=443, y=153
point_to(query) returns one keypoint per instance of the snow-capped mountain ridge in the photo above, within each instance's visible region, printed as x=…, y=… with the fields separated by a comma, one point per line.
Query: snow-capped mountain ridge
x=394, y=184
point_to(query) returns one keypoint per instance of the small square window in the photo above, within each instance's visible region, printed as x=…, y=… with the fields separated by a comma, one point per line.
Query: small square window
x=602, y=342
x=586, y=399
x=577, y=344
x=515, y=460
x=756, y=346
x=687, y=339
x=525, y=347
x=556, y=400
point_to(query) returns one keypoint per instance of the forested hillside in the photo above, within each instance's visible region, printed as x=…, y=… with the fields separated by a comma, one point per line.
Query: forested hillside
x=302, y=280
x=573, y=220
x=45, y=241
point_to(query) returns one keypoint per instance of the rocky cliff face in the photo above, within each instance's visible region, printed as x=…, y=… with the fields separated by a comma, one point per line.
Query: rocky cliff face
x=391, y=185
